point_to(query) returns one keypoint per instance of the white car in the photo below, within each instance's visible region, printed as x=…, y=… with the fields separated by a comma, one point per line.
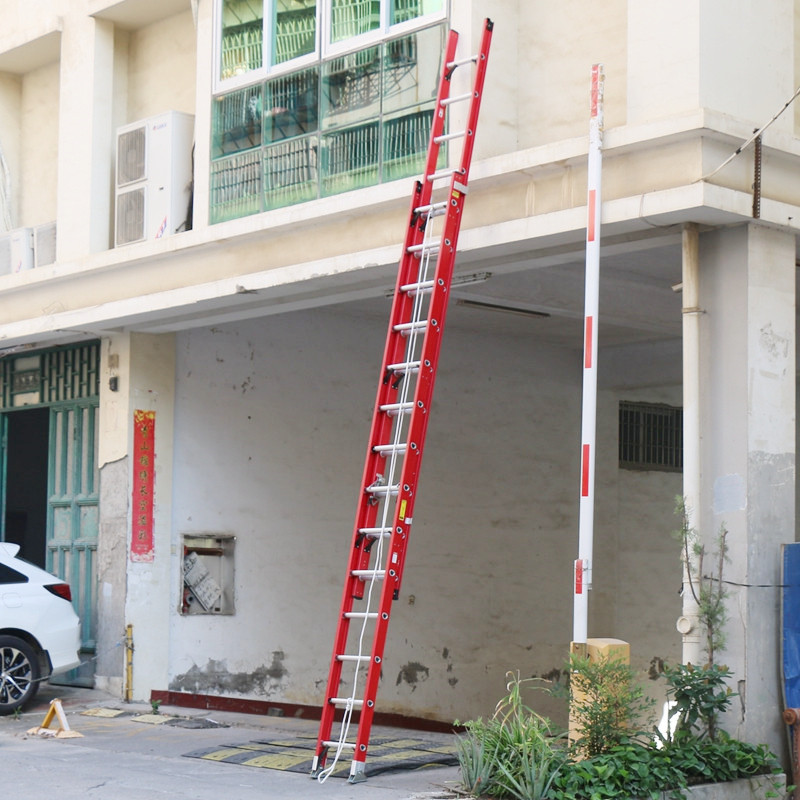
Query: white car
x=39, y=630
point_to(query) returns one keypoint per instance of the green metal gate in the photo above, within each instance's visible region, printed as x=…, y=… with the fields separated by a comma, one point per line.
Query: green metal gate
x=72, y=513
x=66, y=380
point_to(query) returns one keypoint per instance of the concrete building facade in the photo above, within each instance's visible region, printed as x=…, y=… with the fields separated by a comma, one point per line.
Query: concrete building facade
x=222, y=365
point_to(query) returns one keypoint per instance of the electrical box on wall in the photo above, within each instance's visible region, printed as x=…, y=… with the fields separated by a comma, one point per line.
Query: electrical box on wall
x=153, y=178
x=207, y=585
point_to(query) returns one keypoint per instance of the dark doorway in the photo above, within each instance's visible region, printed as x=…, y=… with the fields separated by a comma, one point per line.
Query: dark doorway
x=26, y=482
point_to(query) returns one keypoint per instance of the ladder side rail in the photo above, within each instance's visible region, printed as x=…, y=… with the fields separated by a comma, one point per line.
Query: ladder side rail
x=438, y=312
x=403, y=302
x=475, y=104
x=382, y=423
x=420, y=415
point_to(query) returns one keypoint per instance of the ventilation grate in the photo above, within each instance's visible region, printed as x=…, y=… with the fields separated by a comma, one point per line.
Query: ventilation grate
x=650, y=436
x=131, y=156
x=130, y=216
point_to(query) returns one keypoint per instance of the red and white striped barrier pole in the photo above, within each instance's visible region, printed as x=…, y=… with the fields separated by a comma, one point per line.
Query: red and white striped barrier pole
x=583, y=564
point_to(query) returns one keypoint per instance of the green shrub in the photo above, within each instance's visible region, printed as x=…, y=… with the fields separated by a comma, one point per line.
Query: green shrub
x=512, y=754
x=608, y=706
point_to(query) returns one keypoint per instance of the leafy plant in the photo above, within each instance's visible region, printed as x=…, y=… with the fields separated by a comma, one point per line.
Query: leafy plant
x=623, y=771
x=644, y=771
x=608, y=705
x=513, y=753
x=700, y=696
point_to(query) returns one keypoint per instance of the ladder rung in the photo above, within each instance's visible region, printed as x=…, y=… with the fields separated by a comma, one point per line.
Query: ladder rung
x=352, y=658
x=343, y=745
x=404, y=367
x=407, y=327
x=458, y=98
x=375, y=532
x=383, y=449
x=444, y=173
x=378, y=574
x=397, y=408
x=412, y=288
x=432, y=207
x=361, y=615
x=430, y=247
x=446, y=137
x=343, y=701
x=387, y=490
x=461, y=61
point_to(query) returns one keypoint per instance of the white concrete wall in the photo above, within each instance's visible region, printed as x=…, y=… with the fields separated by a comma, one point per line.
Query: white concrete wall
x=37, y=176
x=271, y=421
x=161, y=68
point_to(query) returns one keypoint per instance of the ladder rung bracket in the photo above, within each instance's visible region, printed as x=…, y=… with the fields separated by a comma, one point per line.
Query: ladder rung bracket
x=343, y=701
x=458, y=98
x=357, y=659
x=408, y=327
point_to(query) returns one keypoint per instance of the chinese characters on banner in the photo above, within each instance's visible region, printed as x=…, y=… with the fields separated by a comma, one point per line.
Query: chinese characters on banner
x=144, y=423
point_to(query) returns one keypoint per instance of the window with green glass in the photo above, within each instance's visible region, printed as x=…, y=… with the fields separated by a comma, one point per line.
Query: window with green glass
x=268, y=35
x=242, y=37
x=295, y=29
x=343, y=122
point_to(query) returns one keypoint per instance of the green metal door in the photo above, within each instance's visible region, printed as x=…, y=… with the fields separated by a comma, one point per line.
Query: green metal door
x=72, y=515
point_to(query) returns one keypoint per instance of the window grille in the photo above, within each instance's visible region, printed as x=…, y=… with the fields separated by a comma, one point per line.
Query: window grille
x=351, y=121
x=650, y=436
x=53, y=376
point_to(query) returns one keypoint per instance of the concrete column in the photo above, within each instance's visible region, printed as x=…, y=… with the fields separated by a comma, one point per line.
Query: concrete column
x=85, y=137
x=138, y=374
x=747, y=451
x=692, y=54
x=10, y=124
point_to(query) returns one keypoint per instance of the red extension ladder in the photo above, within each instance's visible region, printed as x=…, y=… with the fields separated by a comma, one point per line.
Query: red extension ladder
x=397, y=438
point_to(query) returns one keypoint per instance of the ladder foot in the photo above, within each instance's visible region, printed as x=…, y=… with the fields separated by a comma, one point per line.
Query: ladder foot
x=357, y=774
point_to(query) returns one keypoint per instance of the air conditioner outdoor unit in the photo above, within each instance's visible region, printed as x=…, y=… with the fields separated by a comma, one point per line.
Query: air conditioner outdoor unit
x=16, y=251
x=154, y=177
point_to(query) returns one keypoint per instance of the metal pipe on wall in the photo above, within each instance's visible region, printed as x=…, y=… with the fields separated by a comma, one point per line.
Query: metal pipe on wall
x=690, y=253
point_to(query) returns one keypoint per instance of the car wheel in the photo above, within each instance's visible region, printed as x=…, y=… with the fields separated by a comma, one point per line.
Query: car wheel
x=19, y=674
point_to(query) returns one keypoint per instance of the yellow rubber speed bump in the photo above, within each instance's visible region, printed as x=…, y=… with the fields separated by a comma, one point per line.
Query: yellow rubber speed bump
x=63, y=731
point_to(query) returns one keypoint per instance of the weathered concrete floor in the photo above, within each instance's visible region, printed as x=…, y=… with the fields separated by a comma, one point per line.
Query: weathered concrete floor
x=122, y=759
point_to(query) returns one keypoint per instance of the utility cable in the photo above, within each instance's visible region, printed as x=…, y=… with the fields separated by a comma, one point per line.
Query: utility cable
x=755, y=135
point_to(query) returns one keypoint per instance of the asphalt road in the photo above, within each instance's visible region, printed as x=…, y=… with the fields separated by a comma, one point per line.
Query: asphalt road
x=124, y=758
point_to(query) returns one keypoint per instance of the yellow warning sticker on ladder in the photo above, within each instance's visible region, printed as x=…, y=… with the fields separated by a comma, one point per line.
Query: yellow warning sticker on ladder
x=402, y=514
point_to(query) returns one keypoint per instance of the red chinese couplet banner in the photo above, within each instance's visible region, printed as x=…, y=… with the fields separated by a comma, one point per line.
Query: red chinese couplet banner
x=144, y=424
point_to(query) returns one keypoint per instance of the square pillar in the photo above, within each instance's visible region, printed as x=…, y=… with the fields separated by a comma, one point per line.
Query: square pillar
x=138, y=375
x=747, y=452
